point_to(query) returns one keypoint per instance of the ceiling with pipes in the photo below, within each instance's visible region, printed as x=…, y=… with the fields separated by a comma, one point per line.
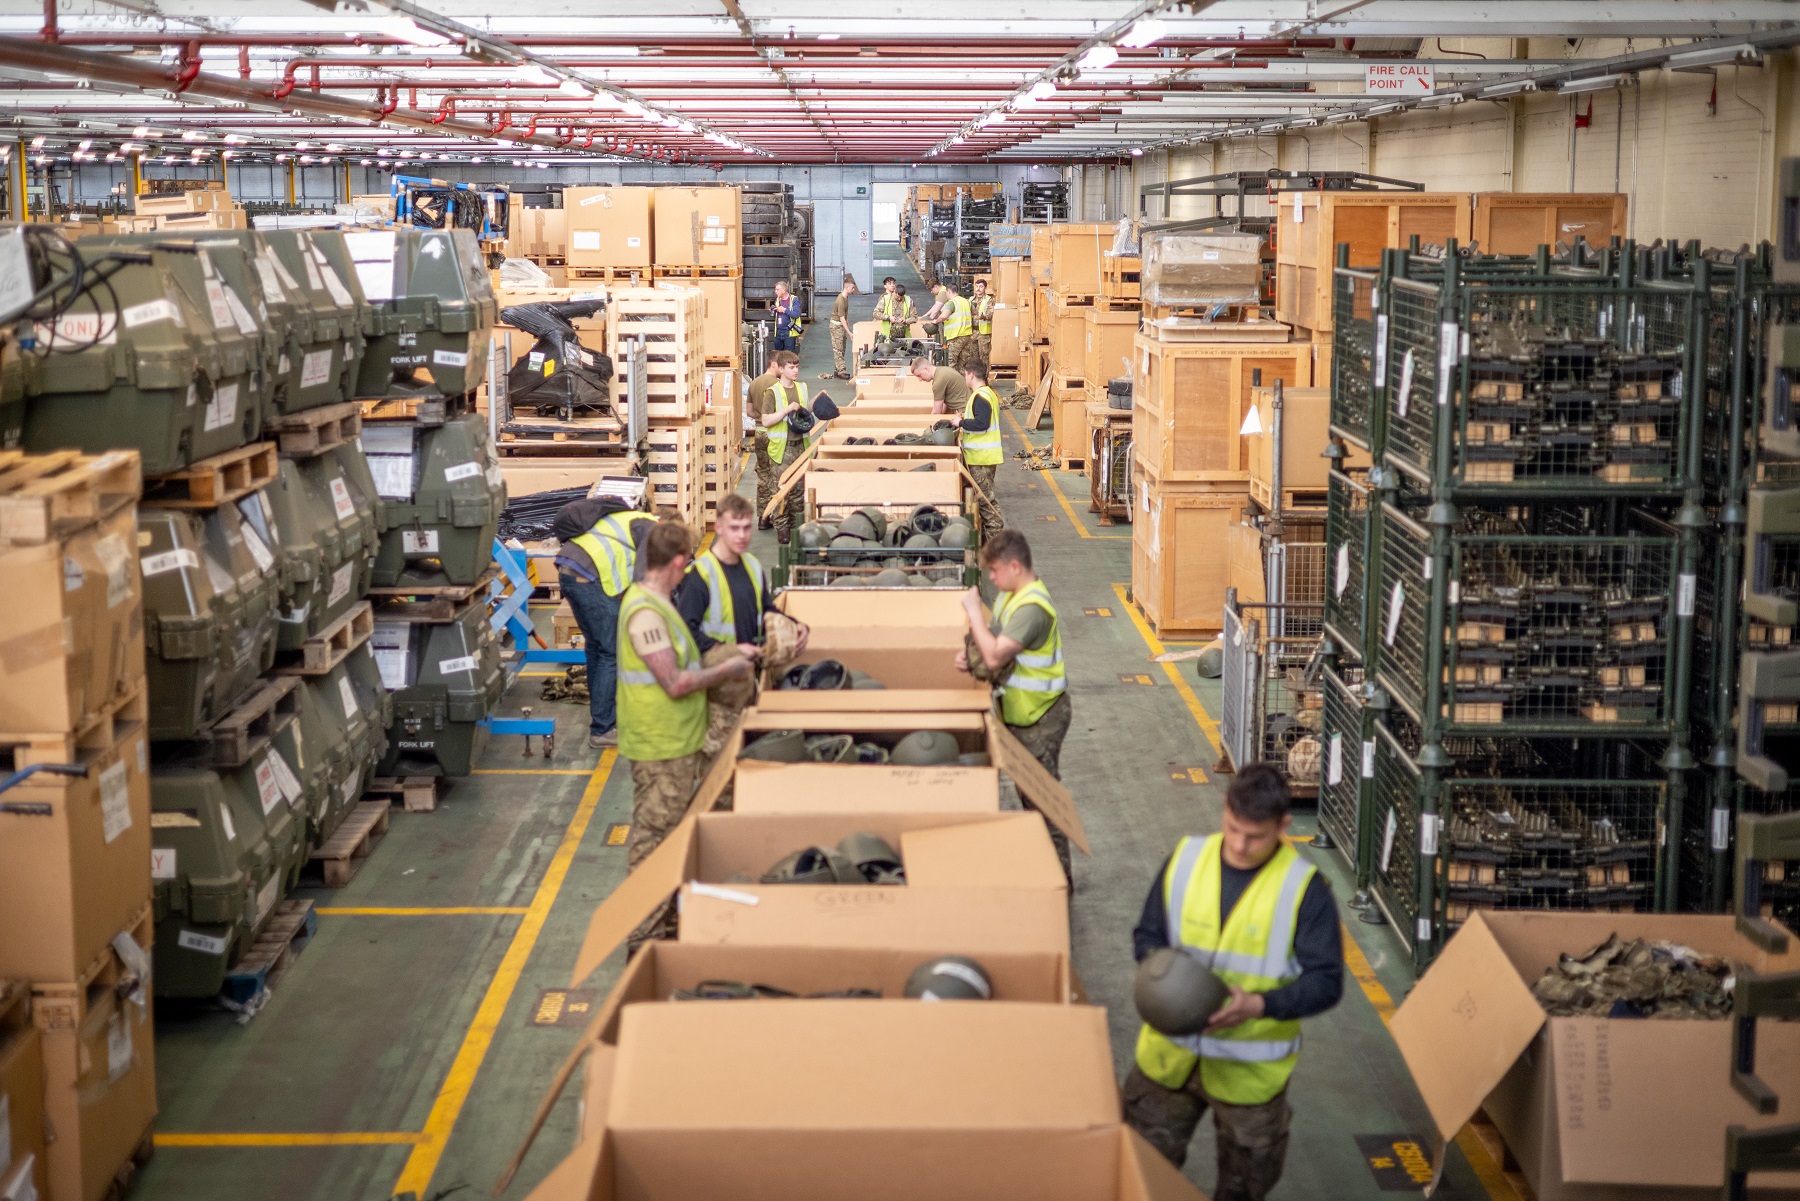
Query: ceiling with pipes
x=724, y=82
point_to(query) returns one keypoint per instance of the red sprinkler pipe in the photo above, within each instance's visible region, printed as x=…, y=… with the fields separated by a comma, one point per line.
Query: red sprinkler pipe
x=190, y=66
x=446, y=110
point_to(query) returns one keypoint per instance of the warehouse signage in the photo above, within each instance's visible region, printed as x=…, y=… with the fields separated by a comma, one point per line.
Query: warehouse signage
x=1399, y=79
x=1397, y=1161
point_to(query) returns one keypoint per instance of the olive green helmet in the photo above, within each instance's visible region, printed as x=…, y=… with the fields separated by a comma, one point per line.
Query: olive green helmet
x=950, y=978
x=888, y=577
x=846, y=541
x=897, y=534
x=925, y=748
x=876, y=518
x=813, y=865
x=874, y=858
x=973, y=759
x=862, y=681
x=777, y=746
x=919, y=579
x=1210, y=663
x=927, y=519
x=921, y=542
x=858, y=523
x=827, y=675
x=944, y=435
x=957, y=535
x=830, y=748
x=812, y=536
x=1176, y=993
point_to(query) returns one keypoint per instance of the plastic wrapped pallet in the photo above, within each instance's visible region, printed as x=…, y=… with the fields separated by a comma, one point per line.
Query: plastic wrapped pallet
x=1196, y=270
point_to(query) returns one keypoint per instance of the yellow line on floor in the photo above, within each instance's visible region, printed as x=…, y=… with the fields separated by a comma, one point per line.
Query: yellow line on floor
x=423, y=1161
x=533, y=771
x=421, y=911
x=1207, y=725
x=1056, y=489
x=355, y=1138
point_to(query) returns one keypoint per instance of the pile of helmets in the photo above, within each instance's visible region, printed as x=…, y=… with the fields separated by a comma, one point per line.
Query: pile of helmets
x=827, y=675
x=921, y=748
x=943, y=978
x=860, y=858
x=926, y=548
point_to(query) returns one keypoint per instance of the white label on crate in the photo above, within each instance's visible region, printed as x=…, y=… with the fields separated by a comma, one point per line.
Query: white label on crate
x=240, y=314
x=450, y=358
x=162, y=863
x=352, y=786
x=348, y=695
x=1429, y=825
x=284, y=776
x=389, y=642
x=1423, y=929
x=193, y=940
x=419, y=542
x=1379, y=372
x=634, y=243
x=225, y=820
x=312, y=271
x=584, y=239
x=1455, y=587
x=282, y=273
x=1396, y=602
x=315, y=368
x=1368, y=759
x=266, y=897
x=1206, y=256
x=373, y=254
x=1449, y=339
x=460, y=663
x=1387, y=838
x=267, y=790
x=1403, y=398
x=73, y=576
x=1334, y=771
x=1343, y=570
x=118, y=1045
x=597, y=198
x=712, y=235
x=221, y=308
x=1299, y=212
x=80, y=329
x=1685, y=585
x=193, y=395
x=393, y=475
x=271, y=283
x=284, y=366
x=259, y=550
x=170, y=560
x=713, y=219
x=115, y=559
x=151, y=310
x=1721, y=829
x=340, y=584
x=461, y=471
x=221, y=410
x=1425, y=569
x=340, y=499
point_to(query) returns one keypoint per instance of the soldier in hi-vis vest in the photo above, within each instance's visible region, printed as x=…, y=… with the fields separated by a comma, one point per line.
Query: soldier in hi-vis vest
x=959, y=325
x=983, y=304
x=1247, y=905
x=594, y=565
x=782, y=446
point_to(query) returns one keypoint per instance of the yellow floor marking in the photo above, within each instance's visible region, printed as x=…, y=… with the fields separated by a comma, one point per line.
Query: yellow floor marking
x=533, y=771
x=1207, y=725
x=423, y=1161
x=420, y=911
x=1057, y=492
x=357, y=1138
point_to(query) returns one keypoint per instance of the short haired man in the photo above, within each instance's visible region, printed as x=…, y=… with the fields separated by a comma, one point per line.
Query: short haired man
x=662, y=699
x=895, y=310
x=723, y=598
x=1244, y=903
x=596, y=561
x=1024, y=641
x=983, y=305
x=784, y=398
x=840, y=329
x=981, y=451
x=959, y=323
x=949, y=391
x=756, y=398
x=787, y=318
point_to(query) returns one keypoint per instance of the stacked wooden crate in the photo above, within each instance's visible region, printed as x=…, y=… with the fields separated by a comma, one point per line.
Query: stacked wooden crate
x=1087, y=326
x=665, y=324
x=196, y=209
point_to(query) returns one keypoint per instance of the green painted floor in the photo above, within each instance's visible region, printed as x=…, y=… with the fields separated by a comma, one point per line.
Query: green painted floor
x=399, y=1053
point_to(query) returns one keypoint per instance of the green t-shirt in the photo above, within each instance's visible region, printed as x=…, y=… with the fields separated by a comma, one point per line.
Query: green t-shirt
x=1028, y=625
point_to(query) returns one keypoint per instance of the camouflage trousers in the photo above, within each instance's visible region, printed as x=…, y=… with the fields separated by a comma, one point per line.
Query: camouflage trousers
x=983, y=474
x=725, y=702
x=1252, y=1139
x=960, y=350
x=840, y=346
x=984, y=346
x=1044, y=739
x=660, y=792
x=767, y=474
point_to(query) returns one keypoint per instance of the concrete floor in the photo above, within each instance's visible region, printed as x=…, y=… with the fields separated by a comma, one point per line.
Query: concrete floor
x=400, y=1053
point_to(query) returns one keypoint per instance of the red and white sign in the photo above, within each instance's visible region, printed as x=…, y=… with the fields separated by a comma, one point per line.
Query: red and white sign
x=1399, y=79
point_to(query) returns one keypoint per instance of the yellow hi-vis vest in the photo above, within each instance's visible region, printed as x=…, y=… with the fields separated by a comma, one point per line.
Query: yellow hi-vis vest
x=982, y=448
x=778, y=433
x=1037, y=677
x=894, y=310
x=1249, y=1063
x=720, y=620
x=959, y=324
x=653, y=725
x=984, y=316
x=614, y=552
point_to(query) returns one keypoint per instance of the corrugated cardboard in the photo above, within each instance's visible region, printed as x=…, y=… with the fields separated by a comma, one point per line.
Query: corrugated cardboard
x=980, y=1102
x=608, y=226
x=996, y=851
x=698, y=227
x=759, y=787
x=907, y=640
x=21, y=1096
x=917, y=919
x=1592, y=1109
x=876, y=383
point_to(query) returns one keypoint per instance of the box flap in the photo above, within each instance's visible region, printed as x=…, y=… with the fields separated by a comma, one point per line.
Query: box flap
x=1020, y=919
x=596, y=1088
x=643, y=889
x=844, y=788
x=851, y=609
x=887, y=700
x=1036, y=785
x=1146, y=1176
x=1463, y=1025
x=1013, y=851
x=585, y=1175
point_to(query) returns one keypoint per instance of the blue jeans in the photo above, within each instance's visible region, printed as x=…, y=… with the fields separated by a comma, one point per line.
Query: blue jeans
x=598, y=616
x=786, y=342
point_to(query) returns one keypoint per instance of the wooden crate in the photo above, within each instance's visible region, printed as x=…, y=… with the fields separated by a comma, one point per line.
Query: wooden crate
x=1068, y=414
x=1066, y=331
x=1189, y=401
x=1306, y=431
x=1520, y=222
x=675, y=466
x=609, y=226
x=1107, y=336
x=1068, y=257
x=721, y=336
x=1119, y=276
x=1311, y=224
x=1178, y=573
x=1033, y=362
x=671, y=320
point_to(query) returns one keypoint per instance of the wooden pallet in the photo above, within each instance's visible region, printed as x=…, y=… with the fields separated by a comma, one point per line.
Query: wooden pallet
x=736, y=271
x=440, y=602
x=230, y=741
x=415, y=794
x=101, y=731
x=1076, y=463
x=217, y=481
x=340, y=855
x=724, y=362
x=45, y=497
x=119, y=1187
x=532, y=433
x=425, y=410
x=333, y=644
x=1291, y=498
x=286, y=935
x=315, y=431
x=639, y=276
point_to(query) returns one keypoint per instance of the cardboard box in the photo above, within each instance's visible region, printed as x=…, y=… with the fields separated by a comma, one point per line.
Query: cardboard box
x=21, y=1095
x=886, y=383
x=1590, y=1108
x=759, y=787
x=994, y=1101
x=197, y=200
x=608, y=226
x=908, y=640
x=220, y=218
x=698, y=227
x=75, y=860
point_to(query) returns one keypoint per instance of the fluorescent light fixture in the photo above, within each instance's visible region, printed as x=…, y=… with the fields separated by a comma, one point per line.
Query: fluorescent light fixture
x=991, y=118
x=1146, y=32
x=131, y=148
x=634, y=109
x=1599, y=83
x=366, y=162
x=113, y=158
x=334, y=148
x=37, y=143
x=1440, y=99
x=235, y=139
x=1304, y=122
x=1043, y=89
x=142, y=131
x=1712, y=55
x=1137, y=152
x=1097, y=59
x=1342, y=115
x=85, y=145
x=532, y=73
x=302, y=145
x=1511, y=88
x=407, y=30
x=193, y=135
x=1382, y=110
x=574, y=87
x=282, y=158
x=829, y=37
x=475, y=159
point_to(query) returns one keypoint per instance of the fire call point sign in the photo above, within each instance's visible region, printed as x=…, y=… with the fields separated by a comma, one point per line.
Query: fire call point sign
x=1399, y=79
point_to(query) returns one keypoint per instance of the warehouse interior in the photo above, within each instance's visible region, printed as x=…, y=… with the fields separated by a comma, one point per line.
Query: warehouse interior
x=1369, y=774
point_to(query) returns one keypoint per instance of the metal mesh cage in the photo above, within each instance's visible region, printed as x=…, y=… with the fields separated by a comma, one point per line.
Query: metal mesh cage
x=1346, y=545
x=1402, y=608
x=1340, y=773
x=1394, y=796
x=1354, y=351
x=1780, y=888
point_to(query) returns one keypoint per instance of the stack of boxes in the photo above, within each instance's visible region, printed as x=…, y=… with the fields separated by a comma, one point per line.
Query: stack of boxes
x=194, y=210
x=76, y=1057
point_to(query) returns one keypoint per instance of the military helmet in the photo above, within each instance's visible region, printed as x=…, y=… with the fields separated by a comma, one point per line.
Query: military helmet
x=813, y=865
x=924, y=467
x=871, y=752
x=876, y=518
x=827, y=675
x=812, y=536
x=1210, y=663
x=957, y=535
x=907, y=440
x=1176, y=993
x=864, y=682
x=777, y=746
x=927, y=519
x=830, y=748
x=921, y=542
x=925, y=748
x=898, y=533
x=858, y=524
x=919, y=579
x=846, y=541
x=888, y=577
x=781, y=638
x=949, y=978
x=793, y=677
x=942, y=435
x=800, y=421
x=873, y=857
x=973, y=759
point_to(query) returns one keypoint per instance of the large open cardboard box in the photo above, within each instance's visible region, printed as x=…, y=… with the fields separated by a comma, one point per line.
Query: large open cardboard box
x=1592, y=1109
x=993, y=1101
x=761, y=787
x=834, y=494
x=901, y=458
x=889, y=383
x=907, y=638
